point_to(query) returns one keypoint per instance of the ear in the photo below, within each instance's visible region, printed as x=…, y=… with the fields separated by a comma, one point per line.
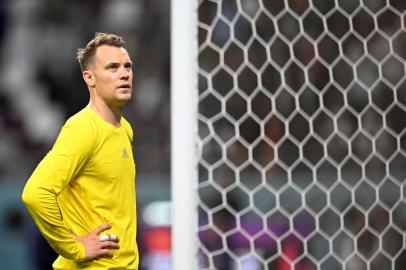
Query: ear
x=88, y=77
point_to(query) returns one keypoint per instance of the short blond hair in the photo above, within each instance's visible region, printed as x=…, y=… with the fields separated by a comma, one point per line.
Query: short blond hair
x=85, y=55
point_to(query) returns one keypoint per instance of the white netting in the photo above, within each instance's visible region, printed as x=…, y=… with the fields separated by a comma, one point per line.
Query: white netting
x=302, y=116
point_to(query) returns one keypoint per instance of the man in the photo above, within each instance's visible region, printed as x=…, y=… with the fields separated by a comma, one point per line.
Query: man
x=82, y=194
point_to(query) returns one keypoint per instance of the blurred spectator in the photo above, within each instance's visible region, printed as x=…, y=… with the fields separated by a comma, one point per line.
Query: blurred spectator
x=40, y=84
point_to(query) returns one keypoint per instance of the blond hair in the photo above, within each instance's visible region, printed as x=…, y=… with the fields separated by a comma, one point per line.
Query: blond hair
x=85, y=55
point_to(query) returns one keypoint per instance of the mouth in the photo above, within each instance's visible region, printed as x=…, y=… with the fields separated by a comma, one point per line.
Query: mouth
x=124, y=86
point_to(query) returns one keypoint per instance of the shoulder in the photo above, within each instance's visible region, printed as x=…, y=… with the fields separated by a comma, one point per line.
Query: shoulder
x=128, y=128
x=79, y=129
x=81, y=122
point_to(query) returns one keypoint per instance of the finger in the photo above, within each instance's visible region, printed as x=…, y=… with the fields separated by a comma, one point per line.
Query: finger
x=117, y=239
x=104, y=237
x=105, y=253
x=109, y=245
x=113, y=237
x=108, y=237
x=102, y=228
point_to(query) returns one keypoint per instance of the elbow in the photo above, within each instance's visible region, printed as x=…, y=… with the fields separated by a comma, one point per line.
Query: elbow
x=28, y=196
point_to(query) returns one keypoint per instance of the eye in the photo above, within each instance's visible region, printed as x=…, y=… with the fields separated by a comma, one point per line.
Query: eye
x=128, y=66
x=112, y=67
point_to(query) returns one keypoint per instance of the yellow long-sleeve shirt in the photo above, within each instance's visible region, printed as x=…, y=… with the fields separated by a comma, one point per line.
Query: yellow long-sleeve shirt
x=87, y=179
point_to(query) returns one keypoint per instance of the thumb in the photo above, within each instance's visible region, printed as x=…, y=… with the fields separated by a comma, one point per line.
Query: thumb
x=74, y=236
x=102, y=228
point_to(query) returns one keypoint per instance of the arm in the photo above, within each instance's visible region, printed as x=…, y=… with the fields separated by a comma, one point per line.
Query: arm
x=71, y=151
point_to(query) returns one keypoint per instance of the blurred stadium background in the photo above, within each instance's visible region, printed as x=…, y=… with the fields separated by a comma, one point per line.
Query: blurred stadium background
x=302, y=116
x=41, y=86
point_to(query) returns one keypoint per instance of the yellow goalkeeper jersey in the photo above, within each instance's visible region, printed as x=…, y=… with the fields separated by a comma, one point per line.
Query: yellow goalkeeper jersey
x=87, y=179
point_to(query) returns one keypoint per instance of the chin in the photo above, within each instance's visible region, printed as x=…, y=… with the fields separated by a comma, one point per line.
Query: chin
x=123, y=101
x=124, y=96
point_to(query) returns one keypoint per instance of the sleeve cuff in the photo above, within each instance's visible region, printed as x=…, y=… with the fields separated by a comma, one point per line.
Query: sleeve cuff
x=81, y=254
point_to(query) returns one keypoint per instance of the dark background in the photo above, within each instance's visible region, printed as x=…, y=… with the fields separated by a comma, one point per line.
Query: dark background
x=41, y=86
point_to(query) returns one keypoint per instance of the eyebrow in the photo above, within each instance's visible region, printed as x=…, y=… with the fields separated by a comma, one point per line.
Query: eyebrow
x=112, y=64
x=115, y=64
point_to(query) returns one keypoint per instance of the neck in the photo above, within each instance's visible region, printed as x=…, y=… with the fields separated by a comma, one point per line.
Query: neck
x=109, y=113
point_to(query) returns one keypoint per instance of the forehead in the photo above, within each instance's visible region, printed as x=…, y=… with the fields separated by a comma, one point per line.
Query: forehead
x=107, y=54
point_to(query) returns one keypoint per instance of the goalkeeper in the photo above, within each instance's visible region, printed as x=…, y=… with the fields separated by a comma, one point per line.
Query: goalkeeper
x=82, y=194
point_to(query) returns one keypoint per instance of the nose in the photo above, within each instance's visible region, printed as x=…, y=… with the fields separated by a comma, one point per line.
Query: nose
x=125, y=74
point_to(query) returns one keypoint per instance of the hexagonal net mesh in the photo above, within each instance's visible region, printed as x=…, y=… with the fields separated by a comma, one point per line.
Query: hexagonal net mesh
x=302, y=116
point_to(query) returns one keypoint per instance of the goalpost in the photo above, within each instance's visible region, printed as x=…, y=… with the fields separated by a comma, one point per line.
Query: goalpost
x=288, y=134
x=183, y=133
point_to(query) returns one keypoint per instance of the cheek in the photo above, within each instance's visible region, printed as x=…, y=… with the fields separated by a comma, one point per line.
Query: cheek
x=105, y=86
x=106, y=82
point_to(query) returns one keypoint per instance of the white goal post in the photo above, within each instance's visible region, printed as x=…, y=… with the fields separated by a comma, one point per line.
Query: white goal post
x=183, y=133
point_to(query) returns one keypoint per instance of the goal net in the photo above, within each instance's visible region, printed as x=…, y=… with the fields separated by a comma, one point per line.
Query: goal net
x=301, y=124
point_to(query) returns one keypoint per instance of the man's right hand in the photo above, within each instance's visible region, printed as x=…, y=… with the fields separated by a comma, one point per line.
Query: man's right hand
x=95, y=248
